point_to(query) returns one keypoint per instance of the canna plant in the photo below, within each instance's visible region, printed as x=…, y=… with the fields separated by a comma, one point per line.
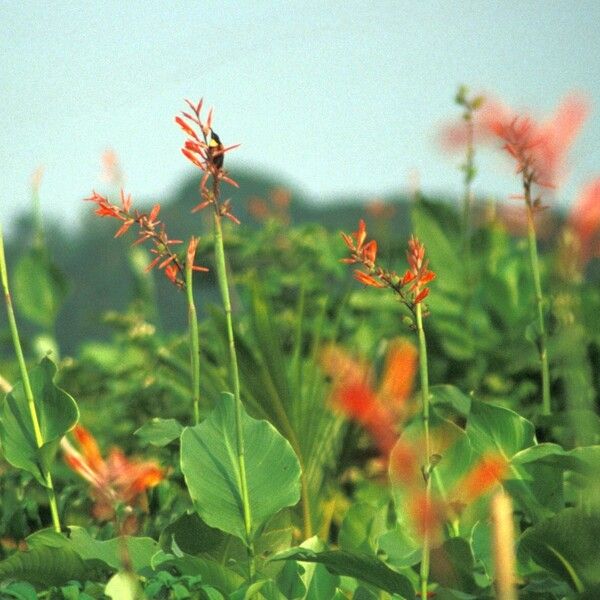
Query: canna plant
x=411, y=289
x=35, y=413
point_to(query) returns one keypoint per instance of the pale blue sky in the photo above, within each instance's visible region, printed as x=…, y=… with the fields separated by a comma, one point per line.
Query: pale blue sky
x=336, y=97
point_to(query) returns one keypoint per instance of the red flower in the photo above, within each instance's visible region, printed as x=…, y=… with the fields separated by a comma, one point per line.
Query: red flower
x=417, y=275
x=149, y=228
x=584, y=220
x=203, y=148
x=489, y=471
x=365, y=253
x=540, y=148
x=116, y=480
x=354, y=395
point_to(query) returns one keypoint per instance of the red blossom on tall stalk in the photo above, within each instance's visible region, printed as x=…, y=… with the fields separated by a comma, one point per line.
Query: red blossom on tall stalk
x=116, y=480
x=539, y=147
x=149, y=228
x=411, y=288
x=203, y=148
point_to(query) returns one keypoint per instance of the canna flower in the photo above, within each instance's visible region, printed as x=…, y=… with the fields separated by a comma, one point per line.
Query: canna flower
x=584, y=221
x=116, y=480
x=487, y=473
x=538, y=147
x=203, y=148
x=417, y=274
x=353, y=394
x=365, y=253
x=149, y=228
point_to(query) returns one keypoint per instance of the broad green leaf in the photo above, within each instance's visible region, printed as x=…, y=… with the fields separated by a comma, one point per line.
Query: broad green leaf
x=48, y=561
x=497, y=429
x=190, y=535
x=365, y=568
x=317, y=579
x=39, y=288
x=362, y=527
x=400, y=549
x=567, y=545
x=290, y=582
x=159, y=432
x=19, y=590
x=209, y=462
x=481, y=545
x=57, y=413
x=213, y=573
x=140, y=549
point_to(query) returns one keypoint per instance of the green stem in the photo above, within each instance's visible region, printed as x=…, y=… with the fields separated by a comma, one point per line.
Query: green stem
x=39, y=439
x=194, y=340
x=424, y=372
x=235, y=376
x=539, y=300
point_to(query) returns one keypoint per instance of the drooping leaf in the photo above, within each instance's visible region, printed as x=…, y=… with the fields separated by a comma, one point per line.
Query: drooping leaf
x=140, y=550
x=362, y=567
x=49, y=560
x=209, y=462
x=57, y=413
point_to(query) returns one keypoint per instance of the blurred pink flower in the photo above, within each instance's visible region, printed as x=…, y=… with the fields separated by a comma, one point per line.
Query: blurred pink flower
x=540, y=147
x=584, y=220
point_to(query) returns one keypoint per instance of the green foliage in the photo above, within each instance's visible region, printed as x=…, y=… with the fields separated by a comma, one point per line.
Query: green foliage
x=57, y=413
x=363, y=567
x=209, y=463
x=292, y=297
x=160, y=432
x=39, y=288
x=567, y=545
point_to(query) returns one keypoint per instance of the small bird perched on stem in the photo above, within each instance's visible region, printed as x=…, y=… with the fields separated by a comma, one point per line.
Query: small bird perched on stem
x=215, y=150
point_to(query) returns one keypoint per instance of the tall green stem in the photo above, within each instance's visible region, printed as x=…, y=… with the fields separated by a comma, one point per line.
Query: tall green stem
x=235, y=377
x=194, y=340
x=424, y=372
x=39, y=439
x=539, y=300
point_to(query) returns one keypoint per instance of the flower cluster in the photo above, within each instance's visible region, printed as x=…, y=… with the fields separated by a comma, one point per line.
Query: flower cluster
x=539, y=148
x=150, y=228
x=584, y=220
x=203, y=148
x=353, y=393
x=116, y=480
x=411, y=287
